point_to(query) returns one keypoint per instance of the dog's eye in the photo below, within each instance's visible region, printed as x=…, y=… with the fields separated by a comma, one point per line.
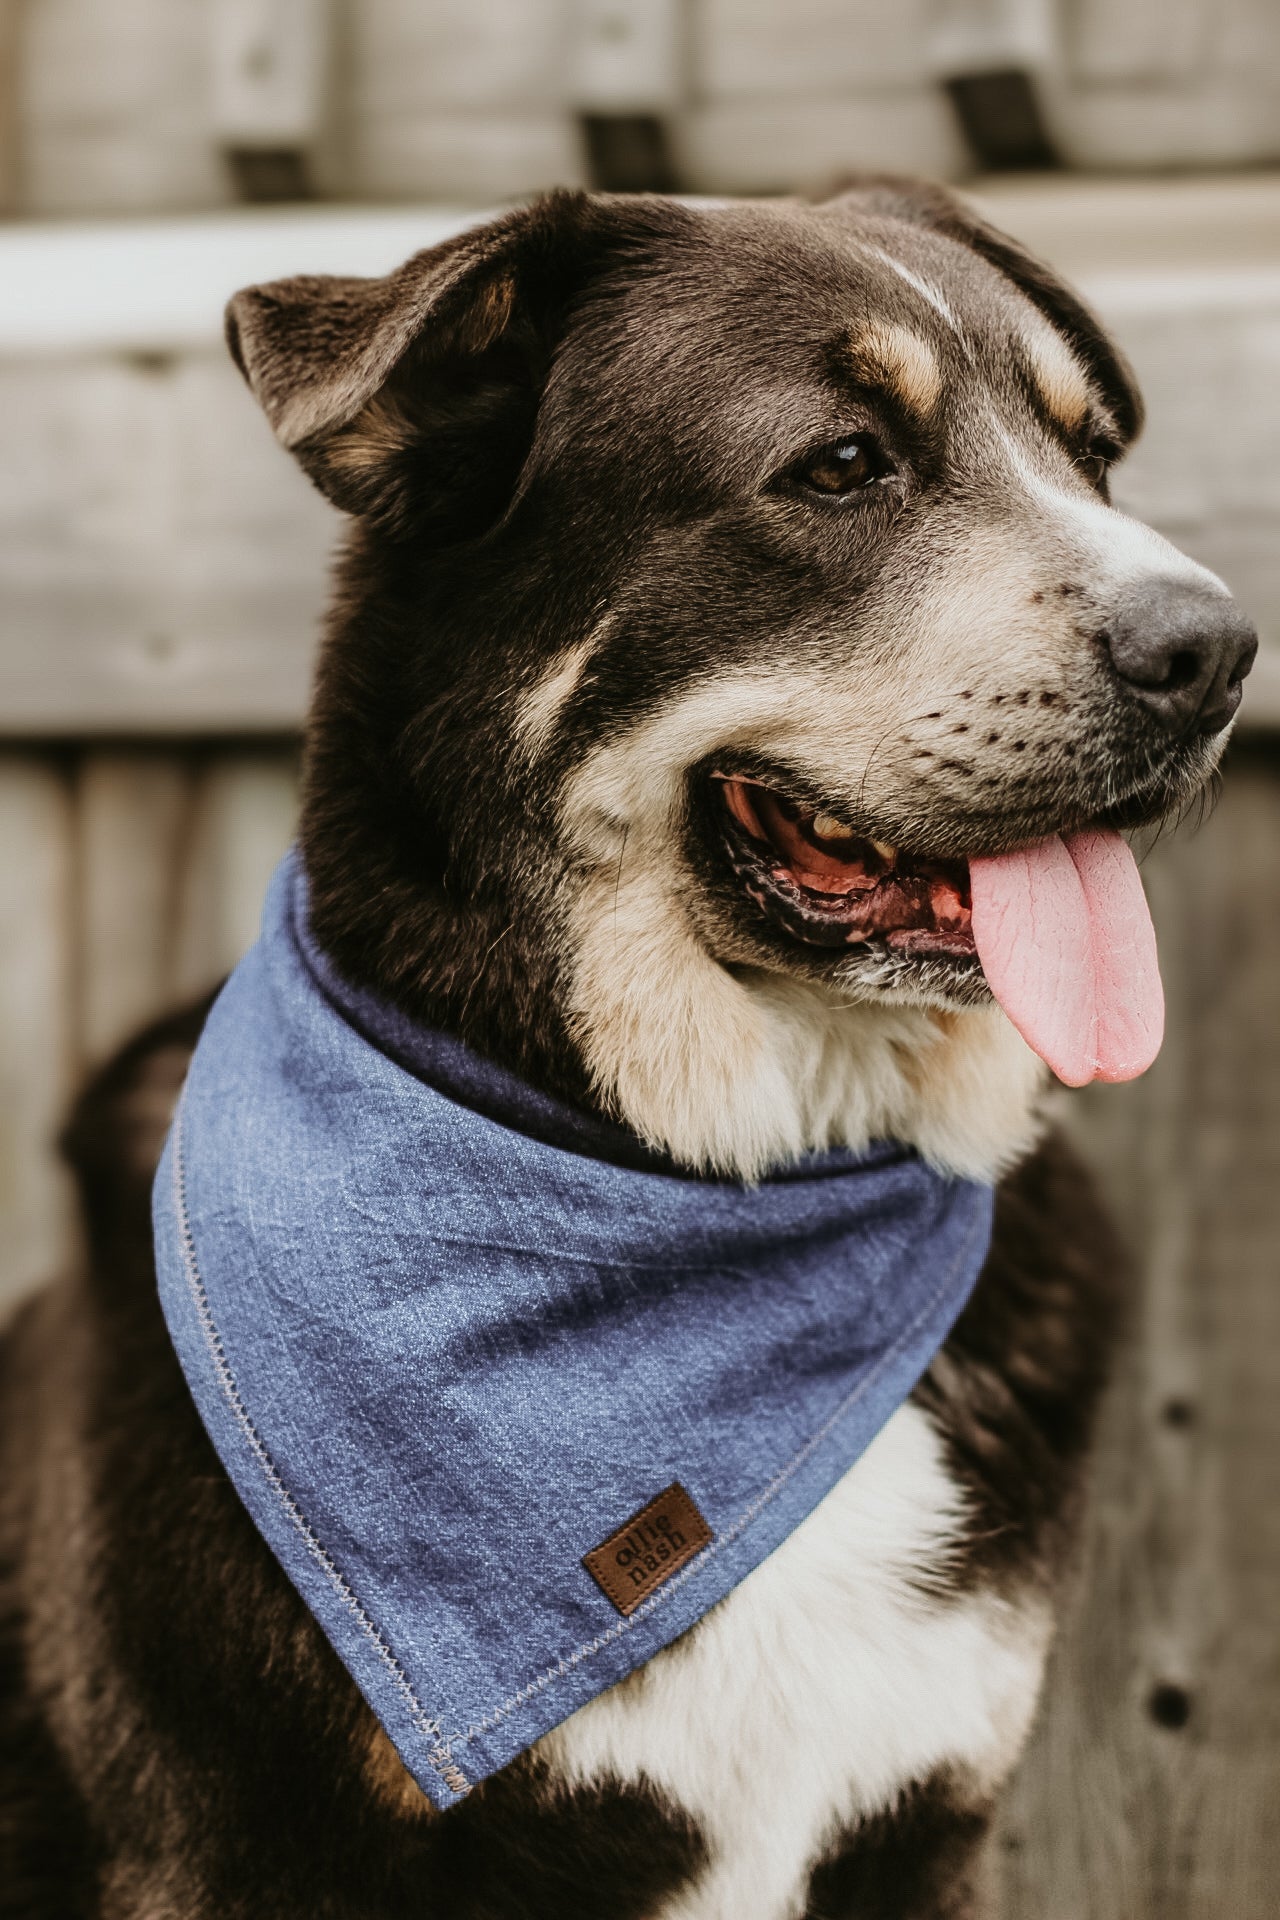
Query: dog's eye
x=1094, y=463
x=845, y=466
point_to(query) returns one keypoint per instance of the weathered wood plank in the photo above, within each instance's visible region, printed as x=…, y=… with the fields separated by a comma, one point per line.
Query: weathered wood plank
x=458, y=55
x=1146, y=1794
x=1222, y=120
x=627, y=56
x=114, y=108
x=37, y=1050
x=472, y=159
x=135, y=810
x=270, y=71
x=755, y=48
x=465, y=99
x=10, y=54
x=1139, y=40
x=1201, y=223
x=162, y=562
x=133, y=881
x=1146, y=42
x=157, y=287
x=243, y=816
x=773, y=145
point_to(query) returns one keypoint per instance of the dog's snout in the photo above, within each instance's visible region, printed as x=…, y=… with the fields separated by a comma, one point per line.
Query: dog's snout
x=1184, y=650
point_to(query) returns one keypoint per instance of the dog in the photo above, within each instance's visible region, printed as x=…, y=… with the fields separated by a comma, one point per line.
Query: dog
x=690, y=547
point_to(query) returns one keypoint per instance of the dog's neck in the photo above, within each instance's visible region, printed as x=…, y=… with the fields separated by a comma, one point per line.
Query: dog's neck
x=732, y=1071
x=380, y=807
x=743, y=1071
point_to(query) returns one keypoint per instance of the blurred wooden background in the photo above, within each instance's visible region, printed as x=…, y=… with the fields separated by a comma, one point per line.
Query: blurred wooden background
x=132, y=105
x=162, y=573
x=133, y=879
x=1150, y=1789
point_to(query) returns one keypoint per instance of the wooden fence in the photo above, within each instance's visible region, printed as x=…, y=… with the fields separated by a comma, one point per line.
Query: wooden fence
x=133, y=878
x=1150, y=1789
x=162, y=561
x=133, y=105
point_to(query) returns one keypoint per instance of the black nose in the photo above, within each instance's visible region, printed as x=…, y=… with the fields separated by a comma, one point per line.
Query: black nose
x=1184, y=651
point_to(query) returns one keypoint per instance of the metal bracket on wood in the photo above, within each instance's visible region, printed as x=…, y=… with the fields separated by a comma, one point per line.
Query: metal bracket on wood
x=270, y=75
x=994, y=58
x=627, y=65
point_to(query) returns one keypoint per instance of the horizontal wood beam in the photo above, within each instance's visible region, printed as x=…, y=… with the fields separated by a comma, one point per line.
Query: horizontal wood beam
x=163, y=564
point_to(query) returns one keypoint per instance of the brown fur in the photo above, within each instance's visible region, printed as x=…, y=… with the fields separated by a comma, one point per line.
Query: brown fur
x=900, y=360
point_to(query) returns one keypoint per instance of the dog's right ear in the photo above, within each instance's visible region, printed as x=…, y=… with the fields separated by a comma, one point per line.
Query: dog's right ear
x=410, y=400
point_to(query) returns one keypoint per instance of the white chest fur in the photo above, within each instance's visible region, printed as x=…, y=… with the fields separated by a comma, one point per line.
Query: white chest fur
x=825, y=1684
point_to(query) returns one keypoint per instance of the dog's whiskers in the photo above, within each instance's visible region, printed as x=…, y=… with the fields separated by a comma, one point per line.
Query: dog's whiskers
x=478, y=975
x=870, y=761
x=617, y=882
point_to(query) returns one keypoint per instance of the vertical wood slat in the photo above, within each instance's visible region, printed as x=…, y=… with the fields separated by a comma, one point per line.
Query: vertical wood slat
x=177, y=849
x=270, y=65
x=37, y=1048
x=241, y=822
x=1148, y=1789
x=134, y=811
x=10, y=52
x=133, y=881
x=626, y=56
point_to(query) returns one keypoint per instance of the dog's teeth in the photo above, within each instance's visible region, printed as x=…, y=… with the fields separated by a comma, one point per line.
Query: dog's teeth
x=887, y=853
x=827, y=827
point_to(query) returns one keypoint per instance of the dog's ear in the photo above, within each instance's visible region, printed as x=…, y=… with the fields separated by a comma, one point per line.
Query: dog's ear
x=922, y=203
x=411, y=400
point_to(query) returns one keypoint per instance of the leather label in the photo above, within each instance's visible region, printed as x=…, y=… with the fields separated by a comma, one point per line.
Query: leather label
x=655, y=1543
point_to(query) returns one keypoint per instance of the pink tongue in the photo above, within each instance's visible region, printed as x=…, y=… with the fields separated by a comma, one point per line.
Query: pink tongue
x=1066, y=942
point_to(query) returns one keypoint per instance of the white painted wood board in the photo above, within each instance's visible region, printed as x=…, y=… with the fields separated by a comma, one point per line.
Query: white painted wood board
x=627, y=56
x=756, y=49
x=774, y=144
x=162, y=563
x=270, y=71
x=37, y=1019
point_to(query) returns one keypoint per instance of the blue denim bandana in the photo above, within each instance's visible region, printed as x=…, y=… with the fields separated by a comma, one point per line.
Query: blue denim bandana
x=512, y=1401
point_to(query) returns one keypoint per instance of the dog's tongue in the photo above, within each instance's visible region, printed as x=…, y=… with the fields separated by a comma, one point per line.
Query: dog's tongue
x=1066, y=942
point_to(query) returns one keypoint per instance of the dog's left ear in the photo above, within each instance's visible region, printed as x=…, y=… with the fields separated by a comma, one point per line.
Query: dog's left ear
x=923, y=203
x=411, y=400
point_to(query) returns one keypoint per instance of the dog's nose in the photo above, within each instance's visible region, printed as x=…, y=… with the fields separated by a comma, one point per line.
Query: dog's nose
x=1184, y=651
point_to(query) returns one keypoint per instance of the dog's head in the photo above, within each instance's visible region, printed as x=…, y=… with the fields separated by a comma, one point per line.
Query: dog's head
x=724, y=579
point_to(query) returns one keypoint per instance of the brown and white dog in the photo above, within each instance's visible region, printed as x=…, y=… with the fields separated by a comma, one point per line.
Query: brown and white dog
x=697, y=554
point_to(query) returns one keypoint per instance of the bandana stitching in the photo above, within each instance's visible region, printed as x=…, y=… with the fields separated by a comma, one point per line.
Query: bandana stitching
x=429, y=1729
x=440, y=1756
x=381, y=1610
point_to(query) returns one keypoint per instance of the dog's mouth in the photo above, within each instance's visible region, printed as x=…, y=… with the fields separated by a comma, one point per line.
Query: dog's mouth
x=1057, y=929
x=827, y=886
